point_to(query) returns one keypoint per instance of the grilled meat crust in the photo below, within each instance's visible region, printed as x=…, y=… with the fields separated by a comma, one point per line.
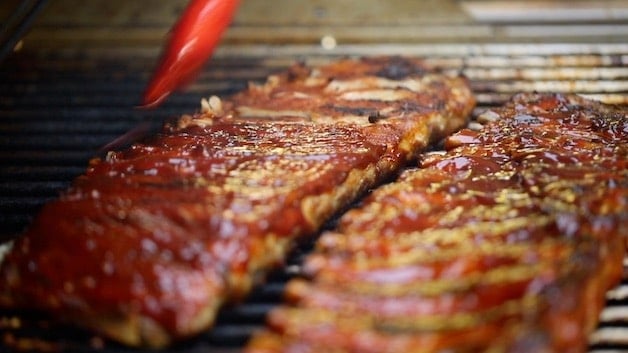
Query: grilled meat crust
x=152, y=240
x=506, y=242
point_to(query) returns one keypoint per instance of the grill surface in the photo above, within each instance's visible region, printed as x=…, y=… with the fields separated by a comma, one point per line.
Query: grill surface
x=59, y=109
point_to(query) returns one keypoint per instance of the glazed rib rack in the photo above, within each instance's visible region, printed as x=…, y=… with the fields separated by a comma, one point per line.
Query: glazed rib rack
x=50, y=126
x=498, y=243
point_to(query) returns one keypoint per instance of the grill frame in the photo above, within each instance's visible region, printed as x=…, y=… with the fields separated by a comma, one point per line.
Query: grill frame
x=59, y=109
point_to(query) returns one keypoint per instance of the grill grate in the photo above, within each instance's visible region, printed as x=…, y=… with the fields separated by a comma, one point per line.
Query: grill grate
x=58, y=109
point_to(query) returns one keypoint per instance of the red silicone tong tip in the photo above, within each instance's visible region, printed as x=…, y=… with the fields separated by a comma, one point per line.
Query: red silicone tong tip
x=192, y=42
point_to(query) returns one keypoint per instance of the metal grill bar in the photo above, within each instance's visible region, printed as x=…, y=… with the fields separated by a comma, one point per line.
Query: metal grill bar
x=59, y=109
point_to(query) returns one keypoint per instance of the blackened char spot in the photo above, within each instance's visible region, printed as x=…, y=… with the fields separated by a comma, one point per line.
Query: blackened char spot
x=375, y=117
x=397, y=68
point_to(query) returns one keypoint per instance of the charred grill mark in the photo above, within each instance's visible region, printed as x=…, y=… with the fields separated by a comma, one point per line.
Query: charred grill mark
x=359, y=111
x=409, y=105
x=373, y=115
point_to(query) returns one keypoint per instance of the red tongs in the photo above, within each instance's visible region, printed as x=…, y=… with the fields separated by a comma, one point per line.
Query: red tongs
x=192, y=42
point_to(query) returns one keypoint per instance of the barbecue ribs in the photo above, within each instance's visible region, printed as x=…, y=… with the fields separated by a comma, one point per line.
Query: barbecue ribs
x=152, y=240
x=506, y=242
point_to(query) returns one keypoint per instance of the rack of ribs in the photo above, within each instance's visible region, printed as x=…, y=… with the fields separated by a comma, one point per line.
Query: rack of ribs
x=152, y=240
x=505, y=242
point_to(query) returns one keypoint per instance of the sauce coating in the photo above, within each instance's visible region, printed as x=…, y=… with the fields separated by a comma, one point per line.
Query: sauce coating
x=504, y=242
x=148, y=244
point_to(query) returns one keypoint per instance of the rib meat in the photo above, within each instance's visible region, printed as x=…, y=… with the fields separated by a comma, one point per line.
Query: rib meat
x=152, y=240
x=506, y=242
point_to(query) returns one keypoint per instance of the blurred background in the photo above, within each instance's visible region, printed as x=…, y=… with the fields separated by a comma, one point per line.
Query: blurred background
x=73, y=71
x=135, y=23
